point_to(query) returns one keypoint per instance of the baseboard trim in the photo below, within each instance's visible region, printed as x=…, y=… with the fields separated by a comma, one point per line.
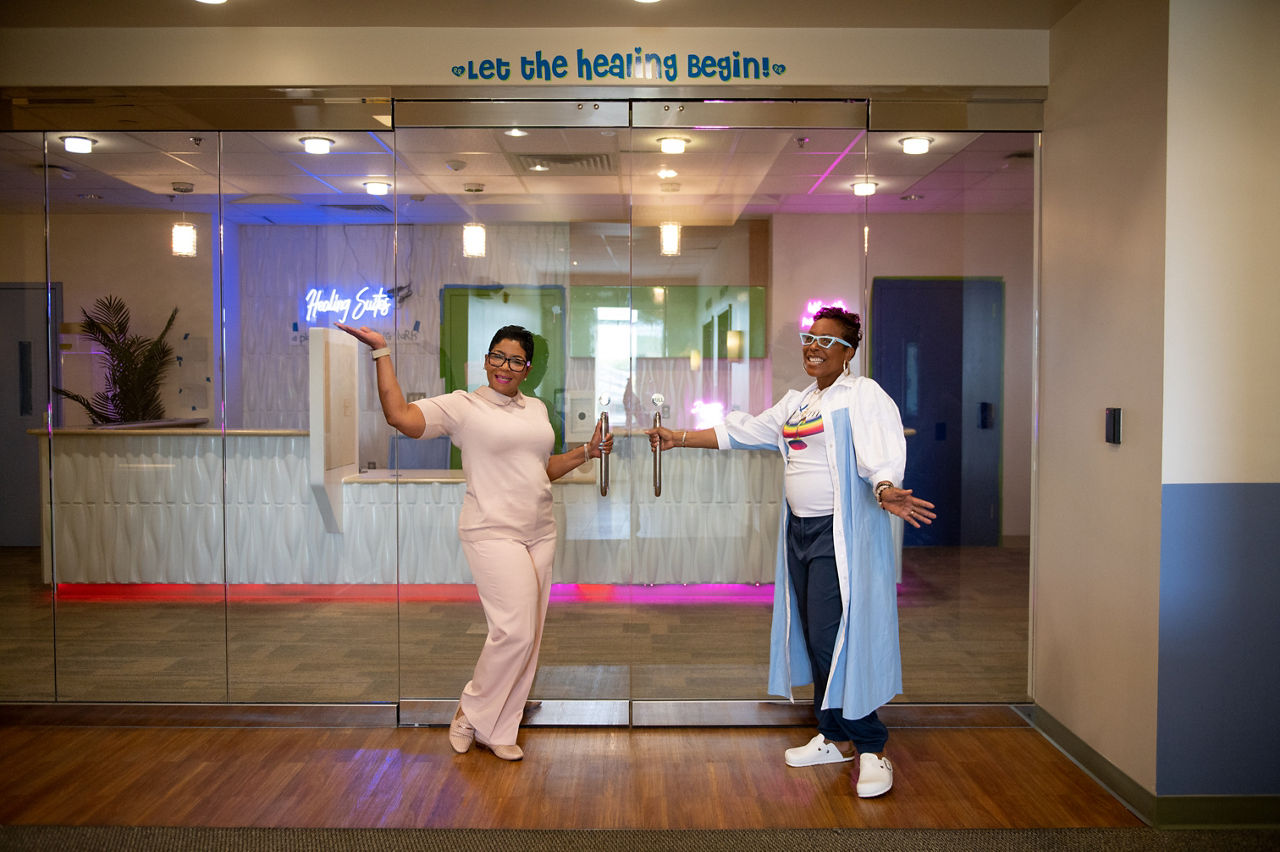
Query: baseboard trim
x=1159, y=811
x=583, y=713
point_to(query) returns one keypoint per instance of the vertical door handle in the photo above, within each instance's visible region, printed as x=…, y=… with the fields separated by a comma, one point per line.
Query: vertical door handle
x=25, y=404
x=604, y=457
x=657, y=458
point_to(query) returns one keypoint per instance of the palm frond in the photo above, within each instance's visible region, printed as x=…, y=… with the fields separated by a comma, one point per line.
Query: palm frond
x=135, y=365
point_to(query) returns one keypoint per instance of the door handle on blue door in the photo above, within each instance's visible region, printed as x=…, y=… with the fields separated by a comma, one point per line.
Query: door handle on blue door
x=25, y=405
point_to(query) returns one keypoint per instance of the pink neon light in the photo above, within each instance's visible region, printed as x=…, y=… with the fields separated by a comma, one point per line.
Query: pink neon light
x=814, y=305
x=832, y=167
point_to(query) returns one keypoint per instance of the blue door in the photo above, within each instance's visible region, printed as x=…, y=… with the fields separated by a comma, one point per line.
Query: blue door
x=937, y=348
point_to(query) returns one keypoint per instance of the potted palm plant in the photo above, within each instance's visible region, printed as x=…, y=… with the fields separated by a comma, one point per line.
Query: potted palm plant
x=136, y=366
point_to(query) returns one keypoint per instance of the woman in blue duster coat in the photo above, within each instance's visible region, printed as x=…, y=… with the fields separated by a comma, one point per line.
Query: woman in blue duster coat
x=835, y=613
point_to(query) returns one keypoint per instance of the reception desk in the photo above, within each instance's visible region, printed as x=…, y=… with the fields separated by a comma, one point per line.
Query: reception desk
x=204, y=506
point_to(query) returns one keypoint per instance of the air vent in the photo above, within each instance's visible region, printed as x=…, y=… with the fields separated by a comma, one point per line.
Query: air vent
x=371, y=209
x=565, y=164
x=265, y=199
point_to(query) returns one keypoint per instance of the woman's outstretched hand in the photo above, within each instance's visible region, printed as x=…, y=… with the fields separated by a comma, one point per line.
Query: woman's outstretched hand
x=598, y=445
x=661, y=438
x=913, y=510
x=369, y=337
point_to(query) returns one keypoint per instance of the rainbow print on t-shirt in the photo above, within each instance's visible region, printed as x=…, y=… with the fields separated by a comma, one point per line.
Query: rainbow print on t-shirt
x=795, y=433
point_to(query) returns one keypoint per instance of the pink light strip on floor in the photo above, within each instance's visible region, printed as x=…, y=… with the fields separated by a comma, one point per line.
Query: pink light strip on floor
x=693, y=593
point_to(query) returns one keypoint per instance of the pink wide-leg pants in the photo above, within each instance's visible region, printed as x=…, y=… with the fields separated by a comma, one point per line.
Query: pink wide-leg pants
x=514, y=582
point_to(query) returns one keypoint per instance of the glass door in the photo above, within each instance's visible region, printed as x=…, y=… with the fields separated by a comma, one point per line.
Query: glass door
x=721, y=190
x=517, y=214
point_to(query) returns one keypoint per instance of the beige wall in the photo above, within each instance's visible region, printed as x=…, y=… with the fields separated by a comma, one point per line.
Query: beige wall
x=22, y=248
x=409, y=56
x=129, y=256
x=1222, y=301
x=1096, y=536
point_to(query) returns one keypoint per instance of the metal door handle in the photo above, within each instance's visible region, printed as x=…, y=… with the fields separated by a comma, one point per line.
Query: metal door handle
x=24, y=378
x=604, y=457
x=657, y=458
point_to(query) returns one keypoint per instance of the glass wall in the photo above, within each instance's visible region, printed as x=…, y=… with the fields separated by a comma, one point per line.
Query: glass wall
x=258, y=534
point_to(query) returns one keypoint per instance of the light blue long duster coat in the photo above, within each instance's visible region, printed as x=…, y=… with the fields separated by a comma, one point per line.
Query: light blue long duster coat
x=865, y=445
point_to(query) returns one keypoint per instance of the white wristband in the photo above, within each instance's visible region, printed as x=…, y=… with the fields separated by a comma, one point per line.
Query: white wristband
x=381, y=353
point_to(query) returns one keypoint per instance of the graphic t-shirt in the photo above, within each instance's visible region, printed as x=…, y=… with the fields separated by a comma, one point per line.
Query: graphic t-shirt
x=809, y=486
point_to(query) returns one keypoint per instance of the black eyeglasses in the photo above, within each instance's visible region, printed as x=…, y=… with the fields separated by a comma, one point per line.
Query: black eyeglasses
x=823, y=340
x=515, y=362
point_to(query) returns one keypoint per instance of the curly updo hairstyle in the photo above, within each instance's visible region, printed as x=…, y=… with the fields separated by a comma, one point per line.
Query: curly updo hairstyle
x=850, y=322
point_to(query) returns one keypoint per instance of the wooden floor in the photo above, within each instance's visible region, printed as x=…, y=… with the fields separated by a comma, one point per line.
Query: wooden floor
x=980, y=768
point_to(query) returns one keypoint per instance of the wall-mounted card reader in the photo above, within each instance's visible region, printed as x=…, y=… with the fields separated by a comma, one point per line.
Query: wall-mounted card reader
x=1113, y=425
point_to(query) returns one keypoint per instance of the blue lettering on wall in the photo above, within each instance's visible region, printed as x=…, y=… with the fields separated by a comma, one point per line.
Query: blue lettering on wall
x=635, y=64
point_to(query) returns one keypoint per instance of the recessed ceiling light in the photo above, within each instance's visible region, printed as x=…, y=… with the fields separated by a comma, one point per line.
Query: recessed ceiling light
x=916, y=144
x=647, y=1
x=516, y=131
x=316, y=144
x=672, y=144
x=864, y=187
x=377, y=187
x=539, y=167
x=78, y=144
x=212, y=2
x=666, y=173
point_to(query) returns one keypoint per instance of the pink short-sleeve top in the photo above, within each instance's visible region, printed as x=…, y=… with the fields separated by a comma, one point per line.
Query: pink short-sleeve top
x=505, y=443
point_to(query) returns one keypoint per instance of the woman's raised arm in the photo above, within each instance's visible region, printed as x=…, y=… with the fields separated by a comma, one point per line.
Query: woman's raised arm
x=404, y=417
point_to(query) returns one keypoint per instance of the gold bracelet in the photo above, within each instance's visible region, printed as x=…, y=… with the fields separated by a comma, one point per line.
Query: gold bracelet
x=684, y=438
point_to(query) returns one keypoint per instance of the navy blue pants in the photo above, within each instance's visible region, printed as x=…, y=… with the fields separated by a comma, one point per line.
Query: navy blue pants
x=811, y=562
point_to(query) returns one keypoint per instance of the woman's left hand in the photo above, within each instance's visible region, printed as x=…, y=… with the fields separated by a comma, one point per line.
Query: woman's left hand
x=901, y=502
x=598, y=445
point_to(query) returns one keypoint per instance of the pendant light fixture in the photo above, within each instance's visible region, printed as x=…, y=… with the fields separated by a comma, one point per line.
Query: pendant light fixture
x=669, y=238
x=183, y=239
x=473, y=240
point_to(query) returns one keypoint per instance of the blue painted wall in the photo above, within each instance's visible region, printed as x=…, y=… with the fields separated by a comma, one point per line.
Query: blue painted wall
x=1219, y=691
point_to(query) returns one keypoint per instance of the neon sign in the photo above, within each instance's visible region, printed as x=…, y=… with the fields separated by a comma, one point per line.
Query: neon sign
x=813, y=306
x=343, y=308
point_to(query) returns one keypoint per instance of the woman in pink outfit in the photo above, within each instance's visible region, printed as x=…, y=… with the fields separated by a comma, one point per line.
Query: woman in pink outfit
x=506, y=526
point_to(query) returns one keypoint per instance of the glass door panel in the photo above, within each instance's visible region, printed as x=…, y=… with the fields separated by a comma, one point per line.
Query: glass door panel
x=734, y=240
x=26, y=600
x=311, y=567
x=509, y=221
x=136, y=546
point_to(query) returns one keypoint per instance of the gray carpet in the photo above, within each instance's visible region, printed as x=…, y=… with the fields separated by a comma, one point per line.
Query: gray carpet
x=146, y=839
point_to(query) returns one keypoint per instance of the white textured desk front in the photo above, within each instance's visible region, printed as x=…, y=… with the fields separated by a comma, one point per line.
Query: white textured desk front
x=148, y=506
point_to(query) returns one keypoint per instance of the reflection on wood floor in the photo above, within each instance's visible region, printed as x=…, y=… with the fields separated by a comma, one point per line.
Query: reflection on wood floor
x=963, y=621
x=989, y=771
